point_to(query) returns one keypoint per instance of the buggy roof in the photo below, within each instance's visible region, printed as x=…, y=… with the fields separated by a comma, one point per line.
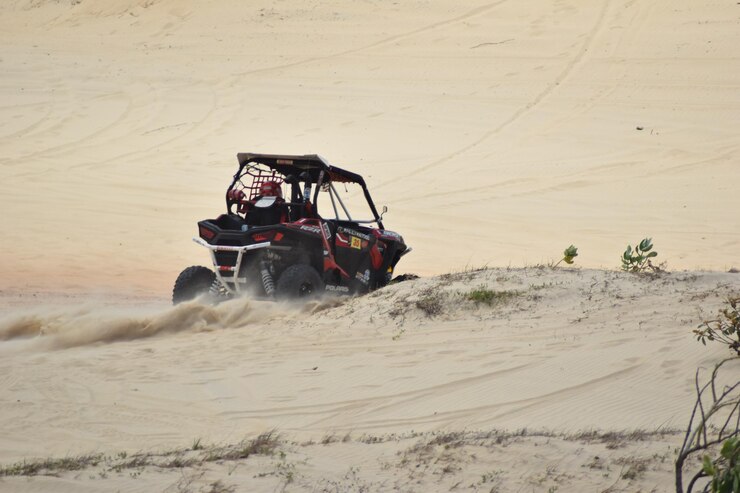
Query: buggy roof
x=313, y=164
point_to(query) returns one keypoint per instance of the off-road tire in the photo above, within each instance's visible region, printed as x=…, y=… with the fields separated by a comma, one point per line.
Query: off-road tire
x=299, y=281
x=191, y=283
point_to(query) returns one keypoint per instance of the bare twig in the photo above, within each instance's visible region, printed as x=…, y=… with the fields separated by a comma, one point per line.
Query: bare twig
x=701, y=434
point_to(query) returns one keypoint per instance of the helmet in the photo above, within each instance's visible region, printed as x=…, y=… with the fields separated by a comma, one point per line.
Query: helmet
x=271, y=189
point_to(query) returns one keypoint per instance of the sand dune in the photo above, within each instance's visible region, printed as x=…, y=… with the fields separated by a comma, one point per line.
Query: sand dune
x=563, y=352
x=497, y=133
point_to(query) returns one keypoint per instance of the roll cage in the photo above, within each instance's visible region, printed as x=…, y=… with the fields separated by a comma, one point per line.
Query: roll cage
x=311, y=169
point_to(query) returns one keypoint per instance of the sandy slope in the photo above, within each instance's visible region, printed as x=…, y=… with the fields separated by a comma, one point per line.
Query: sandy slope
x=496, y=132
x=567, y=352
x=510, y=126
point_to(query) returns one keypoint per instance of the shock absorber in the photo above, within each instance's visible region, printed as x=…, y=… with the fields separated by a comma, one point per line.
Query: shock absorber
x=267, y=281
x=216, y=290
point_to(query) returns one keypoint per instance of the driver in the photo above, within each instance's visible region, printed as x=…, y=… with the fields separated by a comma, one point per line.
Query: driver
x=268, y=207
x=270, y=189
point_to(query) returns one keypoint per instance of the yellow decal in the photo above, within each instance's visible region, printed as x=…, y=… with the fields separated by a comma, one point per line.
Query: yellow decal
x=356, y=243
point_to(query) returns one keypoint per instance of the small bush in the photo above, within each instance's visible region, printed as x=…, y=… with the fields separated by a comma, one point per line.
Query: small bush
x=725, y=471
x=639, y=259
x=569, y=254
x=725, y=329
x=714, y=422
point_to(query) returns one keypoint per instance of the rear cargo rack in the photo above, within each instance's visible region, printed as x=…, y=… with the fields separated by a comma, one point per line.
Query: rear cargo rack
x=220, y=269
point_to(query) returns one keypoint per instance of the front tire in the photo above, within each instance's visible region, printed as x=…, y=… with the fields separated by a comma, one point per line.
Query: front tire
x=299, y=281
x=191, y=283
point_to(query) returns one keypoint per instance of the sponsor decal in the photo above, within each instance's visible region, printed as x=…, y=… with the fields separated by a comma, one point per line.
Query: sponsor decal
x=327, y=232
x=354, y=233
x=285, y=161
x=311, y=229
x=392, y=234
x=341, y=289
x=363, y=277
x=356, y=243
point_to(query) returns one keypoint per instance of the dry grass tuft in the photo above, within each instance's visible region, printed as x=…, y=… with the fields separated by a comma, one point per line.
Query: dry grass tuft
x=264, y=444
x=51, y=466
x=490, y=297
x=430, y=305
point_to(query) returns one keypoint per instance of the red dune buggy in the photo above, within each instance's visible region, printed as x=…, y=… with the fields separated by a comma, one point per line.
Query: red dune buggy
x=273, y=242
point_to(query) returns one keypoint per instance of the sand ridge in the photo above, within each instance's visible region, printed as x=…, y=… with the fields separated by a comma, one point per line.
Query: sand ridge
x=564, y=351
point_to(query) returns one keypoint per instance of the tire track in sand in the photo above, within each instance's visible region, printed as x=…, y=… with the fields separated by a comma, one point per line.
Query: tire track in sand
x=494, y=411
x=529, y=107
x=338, y=407
x=471, y=13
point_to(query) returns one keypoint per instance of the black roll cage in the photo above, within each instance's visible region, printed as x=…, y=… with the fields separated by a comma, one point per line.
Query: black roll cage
x=320, y=174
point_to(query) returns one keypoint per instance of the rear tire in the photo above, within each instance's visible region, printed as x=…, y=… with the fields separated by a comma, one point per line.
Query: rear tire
x=299, y=281
x=191, y=283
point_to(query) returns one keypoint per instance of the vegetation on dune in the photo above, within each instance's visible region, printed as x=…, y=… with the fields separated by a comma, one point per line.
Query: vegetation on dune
x=44, y=466
x=430, y=303
x=714, y=424
x=725, y=470
x=569, y=254
x=198, y=454
x=725, y=329
x=638, y=260
x=489, y=297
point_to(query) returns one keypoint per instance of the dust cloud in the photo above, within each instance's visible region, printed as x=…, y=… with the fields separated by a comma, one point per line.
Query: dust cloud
x=66, y=327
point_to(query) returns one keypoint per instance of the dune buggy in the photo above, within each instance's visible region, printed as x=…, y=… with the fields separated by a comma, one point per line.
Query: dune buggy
x=272, y=241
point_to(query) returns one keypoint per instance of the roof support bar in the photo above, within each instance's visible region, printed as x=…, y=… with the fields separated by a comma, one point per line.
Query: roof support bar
x=334, y=192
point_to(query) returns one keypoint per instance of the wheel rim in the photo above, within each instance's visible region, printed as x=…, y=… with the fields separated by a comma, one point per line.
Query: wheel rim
x=305, y=289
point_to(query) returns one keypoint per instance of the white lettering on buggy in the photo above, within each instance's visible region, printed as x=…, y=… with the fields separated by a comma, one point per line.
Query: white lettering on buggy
x=332, y=287
x=354, y=233
x=392, y=234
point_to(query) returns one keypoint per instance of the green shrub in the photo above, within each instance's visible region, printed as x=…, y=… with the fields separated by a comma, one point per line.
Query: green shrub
x=725, y=471
x=569, y=254
x=725, y=329
x=714, y=422
x=639, y=259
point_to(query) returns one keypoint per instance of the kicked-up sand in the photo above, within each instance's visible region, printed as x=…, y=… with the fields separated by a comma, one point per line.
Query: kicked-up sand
x=497, y=133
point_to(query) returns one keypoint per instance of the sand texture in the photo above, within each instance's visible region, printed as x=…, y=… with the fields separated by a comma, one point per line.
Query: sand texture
x=581, y=360
x=507, y=127
x=497, y=133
